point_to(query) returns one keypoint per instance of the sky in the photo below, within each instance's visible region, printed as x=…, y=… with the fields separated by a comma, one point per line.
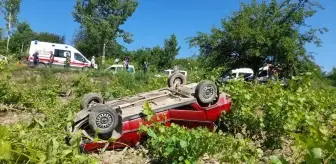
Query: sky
x=155, y=20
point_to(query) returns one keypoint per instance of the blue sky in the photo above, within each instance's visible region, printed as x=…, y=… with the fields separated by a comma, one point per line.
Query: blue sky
x=154, y=20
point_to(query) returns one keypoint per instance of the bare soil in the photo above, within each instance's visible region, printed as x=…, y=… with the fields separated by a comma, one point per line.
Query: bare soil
x=137, y=156
x=11, y=117
x=14, y=114
x=127, y=155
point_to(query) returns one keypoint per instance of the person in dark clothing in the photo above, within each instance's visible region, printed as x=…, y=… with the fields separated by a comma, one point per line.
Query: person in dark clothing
x=51, y=58
x=67, y=60
x=36, y=58
x=145, y=66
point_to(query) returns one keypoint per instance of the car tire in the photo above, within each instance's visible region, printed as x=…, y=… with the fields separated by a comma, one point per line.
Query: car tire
x=85, y=69
x=176, y=78
x=206, y=93
x=90, y=100
x=103, y=120
x=42, y=65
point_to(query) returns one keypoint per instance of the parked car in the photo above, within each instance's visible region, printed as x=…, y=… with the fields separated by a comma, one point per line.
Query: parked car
x=168, y=72
x=60, y=51
x=115, y=68
x=3, y=58
x=191, y=105
x=236, y=74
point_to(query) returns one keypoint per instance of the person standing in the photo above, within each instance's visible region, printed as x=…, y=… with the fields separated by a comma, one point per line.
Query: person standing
x=36, y=58
x=145, y=67
x=126, y=62
x=93, y=61
x=51, y=58
x=67, y=60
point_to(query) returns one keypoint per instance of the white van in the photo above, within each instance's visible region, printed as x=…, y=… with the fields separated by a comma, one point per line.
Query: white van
x=168, y=72
x=237, y=73
x=115, y=68
x=60, y=51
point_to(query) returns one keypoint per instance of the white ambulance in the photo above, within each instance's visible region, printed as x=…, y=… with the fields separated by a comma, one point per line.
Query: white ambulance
x=60, y=51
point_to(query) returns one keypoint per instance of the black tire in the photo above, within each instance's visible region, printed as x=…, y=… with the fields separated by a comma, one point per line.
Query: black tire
x=177, y=78
x=103, y=120
x=91, y=99
x=206, y=93
x=41, y=65
x=85, y=69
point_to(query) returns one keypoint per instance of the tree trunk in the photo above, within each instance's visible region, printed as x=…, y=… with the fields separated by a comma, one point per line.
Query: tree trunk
x=9, y=30
x=103, y=55
x=22, y=48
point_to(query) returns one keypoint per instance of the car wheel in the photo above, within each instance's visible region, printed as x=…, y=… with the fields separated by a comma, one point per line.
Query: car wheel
x=90, y=100
x=85, y=69
x=41, y=65
x=206, y=93
x=103, y=120
x=176, y=79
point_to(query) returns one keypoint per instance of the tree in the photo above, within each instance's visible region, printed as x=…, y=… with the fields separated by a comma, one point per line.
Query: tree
x=1, y=33
x=259, y=33
x=49, y=37
x=87, y=45
x=171, y=50
x=102, y=19
x=10, y=9
x=22, y=37
x=332, y=76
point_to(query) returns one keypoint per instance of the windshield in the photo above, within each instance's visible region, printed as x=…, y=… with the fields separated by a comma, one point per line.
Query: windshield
x=166, y=72
x=130, y=69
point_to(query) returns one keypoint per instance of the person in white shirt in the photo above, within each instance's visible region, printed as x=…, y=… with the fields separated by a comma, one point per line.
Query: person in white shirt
x=93, y=61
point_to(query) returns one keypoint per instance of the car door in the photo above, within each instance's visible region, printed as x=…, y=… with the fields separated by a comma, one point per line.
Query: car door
x=60, y=57
x=79, y=61
x=189, y=117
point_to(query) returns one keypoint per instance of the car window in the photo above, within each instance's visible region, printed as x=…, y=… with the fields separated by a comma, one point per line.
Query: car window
x=112, y=69
x=166, y=72
x=61, y=53
x=79, y=57
x=245, y=75
x=119, y=69
x=262, y=73
x=130, y=69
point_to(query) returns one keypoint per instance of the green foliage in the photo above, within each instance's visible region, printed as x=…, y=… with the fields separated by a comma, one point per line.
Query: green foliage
x=332, y=76
x=10, y=9
x=21, y=38
x=268, y=123
x=274, y=116
x=258, y=32
x=49, y=37
x=176, y=144
x=158, y=58
x=101, y=20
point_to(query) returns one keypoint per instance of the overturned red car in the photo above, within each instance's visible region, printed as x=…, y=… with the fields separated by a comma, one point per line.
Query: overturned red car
x=190, y=105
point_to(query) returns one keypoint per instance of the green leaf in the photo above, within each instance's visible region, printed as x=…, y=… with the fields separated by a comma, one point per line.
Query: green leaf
x=333, y=116
x=186, y=161
x=151, y=133
x=181, y=158
x=323, y=130
x=66, y=152
x=317, y=153
x=275, y=160
x=183, y=144
x=4, y=132
x=5, y=150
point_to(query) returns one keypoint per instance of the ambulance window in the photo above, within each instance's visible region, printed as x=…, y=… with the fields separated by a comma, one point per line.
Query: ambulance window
x=79, y=57
x=263, y=73
x=61, y=53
